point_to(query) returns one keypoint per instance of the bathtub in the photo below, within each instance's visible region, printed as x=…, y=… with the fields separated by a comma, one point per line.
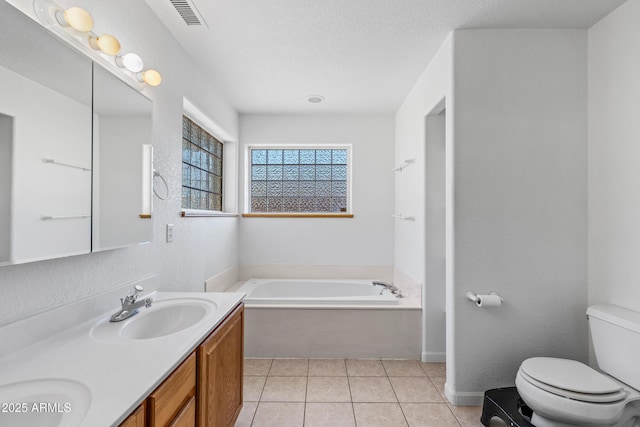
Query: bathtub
x=312, y=292
x=327, y=319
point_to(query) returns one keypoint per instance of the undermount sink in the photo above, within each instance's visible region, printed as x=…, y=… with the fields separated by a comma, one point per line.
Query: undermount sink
x=163, y=318
x=43, y=403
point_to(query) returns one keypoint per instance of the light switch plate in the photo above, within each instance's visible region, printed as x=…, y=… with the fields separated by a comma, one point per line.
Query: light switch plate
x=169, y=233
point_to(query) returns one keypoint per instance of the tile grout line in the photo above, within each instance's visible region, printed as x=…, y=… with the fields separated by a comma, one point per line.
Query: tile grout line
x=444, y=398
x=306, y=395
x=353, y=408
x=261, y=391
x=396, y=395
x=265, y=383
x=254, y=414
x=304, y=407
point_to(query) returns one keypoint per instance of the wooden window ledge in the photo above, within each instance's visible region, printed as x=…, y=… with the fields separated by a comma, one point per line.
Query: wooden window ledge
x=193, y=213
x=297, y=215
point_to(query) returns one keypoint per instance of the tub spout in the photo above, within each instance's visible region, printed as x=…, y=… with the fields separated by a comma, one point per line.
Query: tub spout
x=392, y=288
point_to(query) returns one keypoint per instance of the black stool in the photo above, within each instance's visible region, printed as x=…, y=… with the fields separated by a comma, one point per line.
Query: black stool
x=506, y=404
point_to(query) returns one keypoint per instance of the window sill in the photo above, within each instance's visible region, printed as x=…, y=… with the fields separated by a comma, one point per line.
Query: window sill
x=297, y=215
x=195, y=213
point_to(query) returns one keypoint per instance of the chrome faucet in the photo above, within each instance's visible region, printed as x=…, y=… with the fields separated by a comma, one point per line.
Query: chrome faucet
x=130, y=305
x=393, y=288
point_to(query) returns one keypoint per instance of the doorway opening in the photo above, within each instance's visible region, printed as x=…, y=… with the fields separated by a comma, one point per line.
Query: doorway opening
x=434, y=290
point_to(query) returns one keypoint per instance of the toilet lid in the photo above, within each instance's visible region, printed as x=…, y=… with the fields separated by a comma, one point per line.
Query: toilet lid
x=569, y=375
x=582, y=397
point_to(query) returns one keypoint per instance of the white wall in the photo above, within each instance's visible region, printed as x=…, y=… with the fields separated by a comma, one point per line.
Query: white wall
x=434, y=85
x=432, y=91
x=202, y=247
x=364, y=240
x=520, y=201
x=435, y=246
x=515, y=198
x=614, y=158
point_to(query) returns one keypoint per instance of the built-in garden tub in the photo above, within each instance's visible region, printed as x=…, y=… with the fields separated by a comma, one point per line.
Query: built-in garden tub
x=328, y=319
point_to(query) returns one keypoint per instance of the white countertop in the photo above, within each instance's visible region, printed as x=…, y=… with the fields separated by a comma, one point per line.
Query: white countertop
x=115, y=376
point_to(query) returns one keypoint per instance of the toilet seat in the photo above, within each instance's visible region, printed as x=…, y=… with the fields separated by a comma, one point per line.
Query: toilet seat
x=571, y=379
x=578, y=396
x=582, y=397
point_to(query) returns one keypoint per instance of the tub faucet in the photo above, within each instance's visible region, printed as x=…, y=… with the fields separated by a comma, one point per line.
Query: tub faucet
x=393, y=288
x=130, y=305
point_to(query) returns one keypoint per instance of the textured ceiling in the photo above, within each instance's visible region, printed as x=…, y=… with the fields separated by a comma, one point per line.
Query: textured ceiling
x=268, y=56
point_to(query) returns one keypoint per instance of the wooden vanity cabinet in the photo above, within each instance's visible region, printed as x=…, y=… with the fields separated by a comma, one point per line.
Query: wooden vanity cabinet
x=206, y=389
x=137, y=417
x=173, y=403
x=220, y=370
x=170, y=403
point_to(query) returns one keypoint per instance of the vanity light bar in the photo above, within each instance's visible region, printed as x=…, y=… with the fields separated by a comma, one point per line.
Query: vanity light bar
x=75, y=25
x=130, y=61
x=150, y=77
x=76, y=18
x=106, y=43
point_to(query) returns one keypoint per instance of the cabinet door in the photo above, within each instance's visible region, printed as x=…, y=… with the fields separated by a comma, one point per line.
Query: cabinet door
x=187, y=416
x=170, y=398
x=220, y=364
x=136, y=419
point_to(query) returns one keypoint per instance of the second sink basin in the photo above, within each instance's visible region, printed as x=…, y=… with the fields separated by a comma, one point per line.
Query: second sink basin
x=164, y=317
x=43, y=403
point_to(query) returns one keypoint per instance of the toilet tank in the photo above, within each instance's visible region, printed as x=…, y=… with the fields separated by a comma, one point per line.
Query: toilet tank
x=615, y=332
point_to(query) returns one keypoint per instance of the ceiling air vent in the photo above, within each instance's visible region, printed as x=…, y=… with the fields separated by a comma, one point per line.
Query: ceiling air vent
x=189, y=12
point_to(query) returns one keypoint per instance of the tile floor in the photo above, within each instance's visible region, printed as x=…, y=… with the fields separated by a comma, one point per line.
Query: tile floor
x=349, y=393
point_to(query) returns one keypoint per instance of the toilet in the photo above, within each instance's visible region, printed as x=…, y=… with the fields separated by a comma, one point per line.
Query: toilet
x=567, y=393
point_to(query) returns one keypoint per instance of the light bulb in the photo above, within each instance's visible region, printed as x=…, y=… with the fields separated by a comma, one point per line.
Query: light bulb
x=106, y=43
x=131, y=62
x=150, y=77
x=76, y=18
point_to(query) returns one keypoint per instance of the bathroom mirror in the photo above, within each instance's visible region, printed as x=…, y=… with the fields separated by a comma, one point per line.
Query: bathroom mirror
x=45, y=144
x=122, y=127
x=54, y=104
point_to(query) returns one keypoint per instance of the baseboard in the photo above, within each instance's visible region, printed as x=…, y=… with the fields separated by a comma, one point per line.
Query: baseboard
x=463, y=398
x=222, y=281
x=434, y=356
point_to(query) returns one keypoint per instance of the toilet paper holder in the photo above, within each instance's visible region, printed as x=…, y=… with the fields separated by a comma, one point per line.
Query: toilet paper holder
x=477, y=298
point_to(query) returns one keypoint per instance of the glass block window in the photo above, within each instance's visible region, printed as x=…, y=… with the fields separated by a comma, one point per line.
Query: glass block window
x=299, y=180
x=201, y=168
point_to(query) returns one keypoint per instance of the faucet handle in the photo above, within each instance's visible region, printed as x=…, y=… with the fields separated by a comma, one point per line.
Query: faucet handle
x=133, y=295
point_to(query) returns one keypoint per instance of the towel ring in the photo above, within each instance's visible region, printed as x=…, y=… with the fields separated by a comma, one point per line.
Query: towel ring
x=166, y=186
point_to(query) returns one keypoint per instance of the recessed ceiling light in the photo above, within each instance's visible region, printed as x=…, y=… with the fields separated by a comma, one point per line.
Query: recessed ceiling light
x=315, y=99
